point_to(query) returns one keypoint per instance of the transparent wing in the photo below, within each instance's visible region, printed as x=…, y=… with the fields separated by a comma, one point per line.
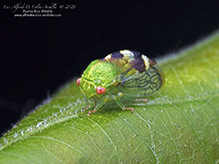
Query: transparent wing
x=141, y=84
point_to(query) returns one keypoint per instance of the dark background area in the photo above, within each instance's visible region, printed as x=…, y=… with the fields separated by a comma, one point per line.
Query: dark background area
x=38, y=55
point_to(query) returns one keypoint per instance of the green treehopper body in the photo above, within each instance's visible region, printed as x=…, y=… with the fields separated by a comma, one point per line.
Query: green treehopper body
x=124, y=73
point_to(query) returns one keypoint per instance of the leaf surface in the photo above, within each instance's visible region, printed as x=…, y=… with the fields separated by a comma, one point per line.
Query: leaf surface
x=180, y=124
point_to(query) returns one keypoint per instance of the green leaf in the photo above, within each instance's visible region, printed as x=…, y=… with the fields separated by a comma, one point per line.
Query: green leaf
x=180, y=124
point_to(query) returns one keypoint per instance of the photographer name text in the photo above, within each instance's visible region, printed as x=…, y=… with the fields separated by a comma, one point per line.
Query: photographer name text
x=39, y=6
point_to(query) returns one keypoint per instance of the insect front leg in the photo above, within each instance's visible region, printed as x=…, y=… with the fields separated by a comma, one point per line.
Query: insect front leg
x=85, y=108
x=117, y=99
x=88, y=105
x=98, y=106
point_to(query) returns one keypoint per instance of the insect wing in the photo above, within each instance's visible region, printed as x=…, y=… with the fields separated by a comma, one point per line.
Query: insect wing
x=141, y=84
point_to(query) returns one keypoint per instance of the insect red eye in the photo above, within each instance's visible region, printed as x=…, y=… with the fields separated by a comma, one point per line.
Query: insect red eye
x=100, y=90
x=78, y=81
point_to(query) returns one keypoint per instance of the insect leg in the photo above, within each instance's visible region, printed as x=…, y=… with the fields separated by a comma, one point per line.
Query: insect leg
x=127, y=97
x=86, y=103
x=117, y=99
x=145, y=100
x=99, y=105
x=85, y=108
